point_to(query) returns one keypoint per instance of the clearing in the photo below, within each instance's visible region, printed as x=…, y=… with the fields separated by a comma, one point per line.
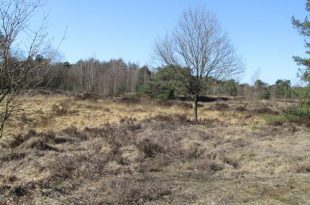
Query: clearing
x=64, y=150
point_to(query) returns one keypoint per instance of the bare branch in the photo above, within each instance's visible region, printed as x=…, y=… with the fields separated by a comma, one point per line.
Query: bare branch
x=19, y=46
x=199, y=44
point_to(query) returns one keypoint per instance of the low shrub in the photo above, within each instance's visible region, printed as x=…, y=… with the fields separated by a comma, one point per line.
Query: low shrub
x=298, y=114
x=130, y=99
x=292, y=115
x=219, y=107
x=149, y=148
x=207, y=165
x=231, y=161
x=304, y=168
x=275, y=120
x=138, y=191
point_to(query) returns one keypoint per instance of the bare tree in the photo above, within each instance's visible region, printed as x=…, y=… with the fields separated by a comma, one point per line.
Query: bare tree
x=203, y=51
x=21, y=53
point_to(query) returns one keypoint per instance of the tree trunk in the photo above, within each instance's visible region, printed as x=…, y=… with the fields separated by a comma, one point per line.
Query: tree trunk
x=195, y=106
x=300, y=110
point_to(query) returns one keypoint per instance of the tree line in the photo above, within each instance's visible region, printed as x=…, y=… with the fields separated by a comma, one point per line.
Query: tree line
x=116, y=77
x=111, y=78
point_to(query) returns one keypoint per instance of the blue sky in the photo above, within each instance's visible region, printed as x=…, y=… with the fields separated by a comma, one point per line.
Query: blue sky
x=261, y=30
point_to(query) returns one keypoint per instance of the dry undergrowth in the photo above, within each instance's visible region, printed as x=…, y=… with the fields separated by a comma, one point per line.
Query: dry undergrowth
x=58, y=112
x=152, y=154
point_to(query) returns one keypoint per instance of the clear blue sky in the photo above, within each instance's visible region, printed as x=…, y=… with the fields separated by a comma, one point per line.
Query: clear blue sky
x=261, y=30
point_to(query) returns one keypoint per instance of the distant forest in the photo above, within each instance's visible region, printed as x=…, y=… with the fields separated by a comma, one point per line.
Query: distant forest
x=116, y=77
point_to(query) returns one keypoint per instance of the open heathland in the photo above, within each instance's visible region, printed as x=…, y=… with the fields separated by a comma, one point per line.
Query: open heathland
x=66, y=150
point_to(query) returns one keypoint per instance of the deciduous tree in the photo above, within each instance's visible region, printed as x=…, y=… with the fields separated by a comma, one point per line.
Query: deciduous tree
x=200, y=46
x=19, y=46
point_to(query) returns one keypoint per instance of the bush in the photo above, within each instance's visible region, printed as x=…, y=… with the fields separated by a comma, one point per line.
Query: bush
x=295, y=112
x=303, y=168
x=264, y=94
x=209, y=166
x=130, y=99
x=149, y=148
x=292, y=114
x=275, y=119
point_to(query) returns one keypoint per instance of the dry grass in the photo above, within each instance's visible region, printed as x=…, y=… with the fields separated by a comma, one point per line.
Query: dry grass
x=151, y=154
x=57, y=112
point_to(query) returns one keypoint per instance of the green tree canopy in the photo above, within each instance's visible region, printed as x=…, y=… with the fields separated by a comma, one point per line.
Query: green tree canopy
x=303, y=26
x=165, y=83
x=283, y=88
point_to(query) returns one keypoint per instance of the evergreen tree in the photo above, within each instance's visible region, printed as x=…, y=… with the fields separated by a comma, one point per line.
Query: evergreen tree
x=304, y=29
x=283, y=89
x=164, y=84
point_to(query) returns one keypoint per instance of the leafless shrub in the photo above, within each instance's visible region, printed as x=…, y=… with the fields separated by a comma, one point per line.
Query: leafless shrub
x=216, y=154
x=266, y=131
x=62, y=140
x=73, y=132
x=131, y=123
x=45, y=120
x=166, y=103
x=95, y=132
x=219, y=106
x=170, y=103
x=94, y=107
x=194, y=151
x=137, y=110
x=210, y=166
x=160, y=117
x=128, y=120
x=129, y=99
x=177, y=118
x=182, y=118
x=115, y=153
x=63, y=167
x=149, y=149
x=303, y=168
x=37, y=143
x=86, y=96
x=292, y=129
x=240, y=142
x=22, y=138
x=25, y=119
x=155, y=164
x=240, y=108
x=10, y=156
x=264, y=109
x=231, y=161
x=138, y=191
x=186, y=105
x=63, y=108
x=225, y=157
x=19, y=191
x=59, y=111
x=106, y=109
x=211, y=122
x=206, y=136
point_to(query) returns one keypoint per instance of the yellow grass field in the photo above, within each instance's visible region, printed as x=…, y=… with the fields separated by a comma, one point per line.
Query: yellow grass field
x=57, y=112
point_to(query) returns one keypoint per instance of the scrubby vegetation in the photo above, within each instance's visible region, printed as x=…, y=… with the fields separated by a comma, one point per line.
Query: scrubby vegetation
x=151, y=152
